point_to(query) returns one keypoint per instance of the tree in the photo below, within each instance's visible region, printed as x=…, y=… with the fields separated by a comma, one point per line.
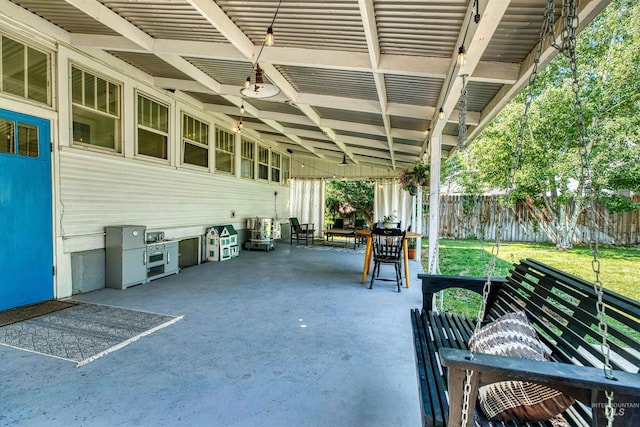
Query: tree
x=345, y=198
x=550, y=170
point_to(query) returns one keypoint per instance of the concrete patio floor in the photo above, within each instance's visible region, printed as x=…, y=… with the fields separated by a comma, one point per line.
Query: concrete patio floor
x=285, y=338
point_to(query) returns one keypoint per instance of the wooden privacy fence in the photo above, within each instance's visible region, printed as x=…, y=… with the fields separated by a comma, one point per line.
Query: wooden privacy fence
x=468, y=217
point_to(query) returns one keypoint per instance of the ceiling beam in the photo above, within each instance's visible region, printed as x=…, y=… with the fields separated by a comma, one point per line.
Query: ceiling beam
x=416, y=66
x=475, y=38
x=23, y=19
x=368, y=15
x=587, y=11
x=107, y=17
x=216, y=17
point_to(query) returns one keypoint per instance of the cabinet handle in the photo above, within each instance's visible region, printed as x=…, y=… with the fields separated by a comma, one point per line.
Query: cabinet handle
x=144, y=257
x=168, y=257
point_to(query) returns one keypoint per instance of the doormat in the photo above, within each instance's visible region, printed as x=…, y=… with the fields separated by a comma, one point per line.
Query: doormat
x=19, y=314
x=84, y=332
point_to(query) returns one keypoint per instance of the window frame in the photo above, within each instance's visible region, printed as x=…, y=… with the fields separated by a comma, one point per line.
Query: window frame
x=251, y=159
x=185, y=140
x=138, y=126
x=118, y=121
x=285, y=175
x=26, y=72
x=261, y=163
x=275, y=167
x=230, y=142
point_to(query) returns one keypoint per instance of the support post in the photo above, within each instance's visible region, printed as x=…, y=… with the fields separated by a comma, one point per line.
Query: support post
x=434, y=203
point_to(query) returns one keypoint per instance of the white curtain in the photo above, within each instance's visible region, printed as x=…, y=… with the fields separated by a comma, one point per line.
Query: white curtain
x=390, y=198
x=306, y=202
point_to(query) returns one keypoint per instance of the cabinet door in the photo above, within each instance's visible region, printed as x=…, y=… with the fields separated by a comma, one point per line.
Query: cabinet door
x=172, y=257
x=134, y=268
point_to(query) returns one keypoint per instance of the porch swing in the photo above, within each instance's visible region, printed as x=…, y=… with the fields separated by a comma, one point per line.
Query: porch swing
x=547, y=348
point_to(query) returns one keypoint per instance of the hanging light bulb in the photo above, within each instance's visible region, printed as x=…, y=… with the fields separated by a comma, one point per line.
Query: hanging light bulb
x=441, y=115
x=302, y=165
x=242, y=108
x=268, y=40
x=247, y=82
x=240, y=125
x=462, y=56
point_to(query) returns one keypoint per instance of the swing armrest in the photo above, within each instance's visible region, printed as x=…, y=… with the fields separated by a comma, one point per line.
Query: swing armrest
x=433, y=283
x=583, y=383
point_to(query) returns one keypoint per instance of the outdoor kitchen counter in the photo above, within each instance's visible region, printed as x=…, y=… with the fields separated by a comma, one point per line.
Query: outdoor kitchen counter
x=368, y=252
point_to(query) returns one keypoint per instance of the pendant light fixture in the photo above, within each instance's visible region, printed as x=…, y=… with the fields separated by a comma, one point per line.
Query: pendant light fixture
x=344, y=161
x=258, y=89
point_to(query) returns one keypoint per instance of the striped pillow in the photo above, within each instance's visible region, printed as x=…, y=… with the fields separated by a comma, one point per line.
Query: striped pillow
x=520, y=401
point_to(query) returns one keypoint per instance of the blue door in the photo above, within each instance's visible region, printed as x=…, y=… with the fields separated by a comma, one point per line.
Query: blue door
x=26, y=236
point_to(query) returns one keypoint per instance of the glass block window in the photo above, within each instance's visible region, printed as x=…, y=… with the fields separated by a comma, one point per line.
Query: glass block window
x=225, y=151
x=275, y=167
x=263, y=162
x=247, y=159
x=153, y=128
x=195, y=141
x=25, y=71
x=95, y=110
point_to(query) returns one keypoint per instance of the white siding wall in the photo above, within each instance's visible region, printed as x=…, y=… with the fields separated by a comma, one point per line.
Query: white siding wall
x=93, y=189
x=96, y=191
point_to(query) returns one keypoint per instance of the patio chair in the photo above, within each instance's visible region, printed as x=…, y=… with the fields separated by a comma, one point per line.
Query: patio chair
x=301, y=231
x=338, y=223
x=387, y=246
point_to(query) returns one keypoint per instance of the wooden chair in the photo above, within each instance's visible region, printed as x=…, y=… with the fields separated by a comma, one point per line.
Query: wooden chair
x=361, y=224
x=301, y=231
x=387, y=249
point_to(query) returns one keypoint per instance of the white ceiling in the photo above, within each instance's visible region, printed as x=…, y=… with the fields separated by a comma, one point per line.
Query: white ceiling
x=361, y=78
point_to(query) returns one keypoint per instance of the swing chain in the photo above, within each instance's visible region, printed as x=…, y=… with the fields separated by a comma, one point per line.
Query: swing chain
x=571, y=23
x=547, y=27
x=467, y=397
x=462, y=115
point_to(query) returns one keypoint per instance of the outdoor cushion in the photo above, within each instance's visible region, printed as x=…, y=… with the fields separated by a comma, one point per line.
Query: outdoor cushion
x=520, y=401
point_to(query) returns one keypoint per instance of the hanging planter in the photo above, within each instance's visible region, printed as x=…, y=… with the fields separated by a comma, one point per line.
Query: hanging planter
x=416, y=175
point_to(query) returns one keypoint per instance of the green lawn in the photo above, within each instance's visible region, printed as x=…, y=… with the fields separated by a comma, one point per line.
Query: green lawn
x=618, y=266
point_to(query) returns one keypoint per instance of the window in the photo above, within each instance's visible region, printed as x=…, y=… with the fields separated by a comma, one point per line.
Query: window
x=25, y=71
x=247, y=159
x=153, y=128
x=263, y=163
x=225, y=149
x=275, y=167
x=96, y=110
x=21, y=134
x=195, y=142
x=286, y=169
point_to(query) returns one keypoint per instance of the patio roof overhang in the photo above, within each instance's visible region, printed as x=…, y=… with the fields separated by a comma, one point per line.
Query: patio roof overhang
x=365, y=79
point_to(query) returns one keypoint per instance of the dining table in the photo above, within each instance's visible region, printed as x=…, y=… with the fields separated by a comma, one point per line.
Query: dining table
x=369, y=252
